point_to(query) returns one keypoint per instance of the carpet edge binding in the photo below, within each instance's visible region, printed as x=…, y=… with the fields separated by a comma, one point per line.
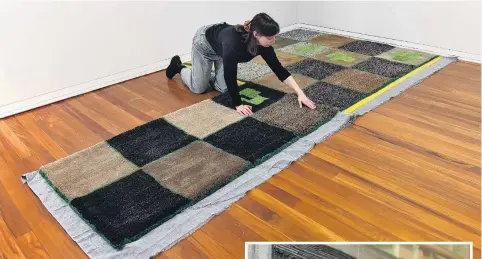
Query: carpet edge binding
x=187, y=222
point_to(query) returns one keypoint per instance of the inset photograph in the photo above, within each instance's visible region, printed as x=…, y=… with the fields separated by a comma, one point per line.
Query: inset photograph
x=358, y=251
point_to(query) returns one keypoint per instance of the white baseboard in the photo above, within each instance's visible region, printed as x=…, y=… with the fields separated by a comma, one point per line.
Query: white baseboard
x=399, y=43
x=290, y=27
x=65, y=93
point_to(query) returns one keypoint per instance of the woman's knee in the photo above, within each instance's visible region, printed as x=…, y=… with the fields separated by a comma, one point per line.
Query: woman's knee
x=198, y=91
x=200, y=87
x=220, y=86
x=220, y=89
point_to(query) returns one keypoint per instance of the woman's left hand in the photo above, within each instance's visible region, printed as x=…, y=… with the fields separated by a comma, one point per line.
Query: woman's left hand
x=302, y=99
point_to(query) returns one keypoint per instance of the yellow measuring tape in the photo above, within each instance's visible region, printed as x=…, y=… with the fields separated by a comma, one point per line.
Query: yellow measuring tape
x=389, y=86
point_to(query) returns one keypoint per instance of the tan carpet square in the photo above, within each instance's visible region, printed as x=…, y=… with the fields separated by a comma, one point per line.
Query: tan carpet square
x=196, y=168
x=330, y=40
x=287, y=114
x=272, y=81
x=357, y=80
x=203, y=118
x=284, y=58
x=88, y=170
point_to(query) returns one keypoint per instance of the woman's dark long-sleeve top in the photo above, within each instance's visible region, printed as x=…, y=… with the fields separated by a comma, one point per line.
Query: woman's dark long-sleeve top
x=228, y=43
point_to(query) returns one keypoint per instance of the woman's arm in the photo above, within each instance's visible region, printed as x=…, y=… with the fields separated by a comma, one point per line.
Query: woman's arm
x=230, y=76
x=290, y=81
x=302, y=99
x=272, y=61
x=284, y=76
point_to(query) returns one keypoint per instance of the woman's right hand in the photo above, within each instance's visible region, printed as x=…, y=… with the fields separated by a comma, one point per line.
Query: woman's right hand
x=244, y=110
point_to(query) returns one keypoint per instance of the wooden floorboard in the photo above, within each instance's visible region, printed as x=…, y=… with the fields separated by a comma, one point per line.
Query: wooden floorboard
x=8, y=245
x=31, y=247
x=407, y=171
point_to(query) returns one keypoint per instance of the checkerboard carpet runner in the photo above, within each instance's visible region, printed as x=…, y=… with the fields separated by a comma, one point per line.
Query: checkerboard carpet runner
x=132, y=183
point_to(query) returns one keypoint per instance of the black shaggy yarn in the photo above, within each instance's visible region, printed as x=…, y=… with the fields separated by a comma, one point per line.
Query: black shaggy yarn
x=338, y=97
x=366, y=47
x=250, y=139
x=150, y=141
x=128, y=206
x=314, y=68
x=384, y=67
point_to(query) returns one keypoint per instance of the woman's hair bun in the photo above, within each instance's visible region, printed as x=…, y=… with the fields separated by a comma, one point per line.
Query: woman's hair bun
x=247, y=25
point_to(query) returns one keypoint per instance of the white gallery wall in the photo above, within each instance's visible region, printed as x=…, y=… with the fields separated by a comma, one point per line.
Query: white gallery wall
x=53, y=50
x=451, y=25
x=50, y=51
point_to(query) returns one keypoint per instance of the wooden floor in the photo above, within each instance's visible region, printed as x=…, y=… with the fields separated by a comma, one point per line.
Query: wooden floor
x=407, y=171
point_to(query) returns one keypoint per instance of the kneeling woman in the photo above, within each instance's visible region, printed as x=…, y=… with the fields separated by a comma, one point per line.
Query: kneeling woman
x=227, y=45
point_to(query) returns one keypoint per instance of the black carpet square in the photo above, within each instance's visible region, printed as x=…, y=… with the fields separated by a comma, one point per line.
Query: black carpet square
x=255, y=95
x=367, y=47
x=384, y=67
x=150, y=141
x=250, y=139
x=126, y=208
x=331, y=95
x=314, y=68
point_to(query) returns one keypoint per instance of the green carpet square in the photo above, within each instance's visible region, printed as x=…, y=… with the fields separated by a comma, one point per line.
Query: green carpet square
x=406, y=56
x=341, y=57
